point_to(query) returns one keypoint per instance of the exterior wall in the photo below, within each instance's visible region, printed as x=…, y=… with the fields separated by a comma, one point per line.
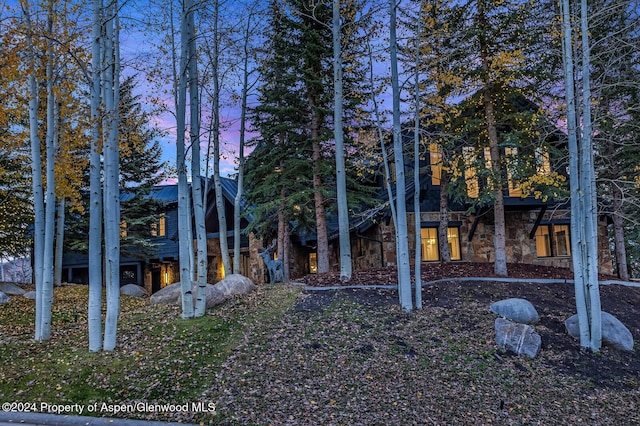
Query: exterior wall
x=520, y=248
x=298, y=261
x=257, y=270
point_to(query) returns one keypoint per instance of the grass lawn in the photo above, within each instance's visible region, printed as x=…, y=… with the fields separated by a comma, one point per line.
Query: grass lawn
x=160, y=358
x=348, y=357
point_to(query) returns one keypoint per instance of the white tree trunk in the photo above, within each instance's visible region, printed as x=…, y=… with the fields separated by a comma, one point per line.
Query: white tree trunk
x=383, y=148
x=196, y=181
x=402, y=243
x=95, y=190
x=111, y=180
x=50, y=196
x=237, y=212
x=416, y=168
x=588, y=175
x=582, y=233
x=220, y=208
x=36, y=171
x=341, y=178
x=184, y=229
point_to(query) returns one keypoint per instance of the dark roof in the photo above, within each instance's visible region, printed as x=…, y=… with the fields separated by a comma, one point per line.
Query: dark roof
x=164, y=193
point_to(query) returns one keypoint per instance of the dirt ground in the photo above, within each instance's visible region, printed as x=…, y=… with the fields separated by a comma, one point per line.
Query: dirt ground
x=554, y=302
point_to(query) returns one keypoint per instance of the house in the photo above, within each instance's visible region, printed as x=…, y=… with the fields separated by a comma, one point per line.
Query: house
x=537, y=224
x=150, y=271
x=155, y=271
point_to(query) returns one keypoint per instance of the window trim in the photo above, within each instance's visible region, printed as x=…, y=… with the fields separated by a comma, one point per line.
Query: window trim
x=552, y=244
x=434, y=225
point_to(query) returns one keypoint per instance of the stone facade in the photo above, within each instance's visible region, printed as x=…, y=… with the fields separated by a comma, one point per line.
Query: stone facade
x=375, y=247
x=520, y=247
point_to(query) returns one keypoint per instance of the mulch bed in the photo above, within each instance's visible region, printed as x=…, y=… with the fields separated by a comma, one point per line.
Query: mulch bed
x=350, y=356
x=554, y=302
x=432, y=271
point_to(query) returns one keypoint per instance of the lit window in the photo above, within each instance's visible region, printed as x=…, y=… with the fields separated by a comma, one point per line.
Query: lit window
x=553, y=240
x=543, y=163
x=543, y=242
x=159, y=227
x=561, y=240
x=453, y=238
x=435, y=159
x=470, y=175
x=511, y=155
x=123, y=229
x=429, y=237
x=430, y=248
x=313, y=263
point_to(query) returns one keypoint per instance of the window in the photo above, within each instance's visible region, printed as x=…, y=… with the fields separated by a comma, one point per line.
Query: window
x=313, y=263
x=470, y=171
x=429, y=238
x=543, y=163
x=553, y=240
x=561, y=241
x=435, y=159
x=511, y=156
x=159, y=227
x=430, y=248
x=123, y=229
x=470, y=176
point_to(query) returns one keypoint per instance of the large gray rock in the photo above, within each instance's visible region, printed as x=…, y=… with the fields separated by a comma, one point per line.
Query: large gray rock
x=11, y=289
x=235, y=285
x=30, y=295
x=3, y=298
x=518, y=310
x=519, y=338
x=172, y=295
x=134, y=290
x=614, y=333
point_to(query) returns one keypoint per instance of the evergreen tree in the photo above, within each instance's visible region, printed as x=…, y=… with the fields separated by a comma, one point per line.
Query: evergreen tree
x=295, y=118
x=140, y=170
x=279, y=180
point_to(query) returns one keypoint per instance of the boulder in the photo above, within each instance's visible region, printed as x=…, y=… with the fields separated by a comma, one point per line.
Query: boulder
x=11, y=289
x=518, y=310
x=614, y=333
x=134, y=290
x=3, y=298
x=518, y=338
x=235, y=285
x=172, y=295
x=30, y=295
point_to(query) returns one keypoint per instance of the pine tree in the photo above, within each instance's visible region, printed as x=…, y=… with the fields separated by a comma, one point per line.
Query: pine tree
x=140, y=170
x=279, y=179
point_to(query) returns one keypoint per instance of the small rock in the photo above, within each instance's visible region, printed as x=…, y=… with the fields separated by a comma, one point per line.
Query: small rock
x=235, y=284
x=134, y=290
x=30, y=295
x=11, y=289
x=518, y=338
x=614, y=333
x=518, y=310
x=3, y=298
